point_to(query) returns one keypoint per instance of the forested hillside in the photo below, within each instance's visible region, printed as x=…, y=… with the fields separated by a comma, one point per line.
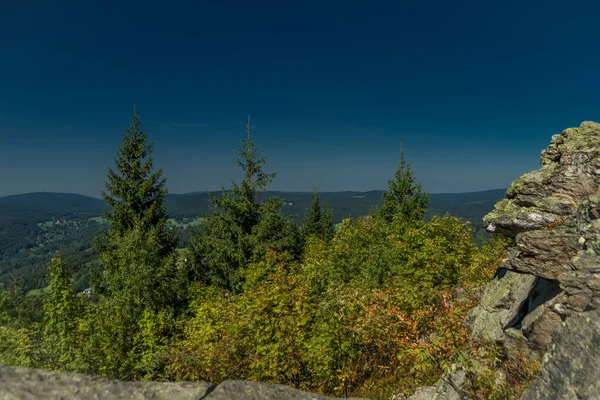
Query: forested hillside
x=56, y=204
x=371, y=308
x=36, y=226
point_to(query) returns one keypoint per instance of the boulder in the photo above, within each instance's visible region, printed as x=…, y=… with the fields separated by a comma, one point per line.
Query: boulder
x=554, y=216
x=18, y=383
x=500, y=304
x=236, y=389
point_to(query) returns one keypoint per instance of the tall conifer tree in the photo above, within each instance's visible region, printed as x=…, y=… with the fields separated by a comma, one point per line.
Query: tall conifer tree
x=135, y=192
x=319, y=221
x=238, y=225
x=404, y=197
x=243, y=196
x=137, y=253
x=327, y=221
x=136, y=195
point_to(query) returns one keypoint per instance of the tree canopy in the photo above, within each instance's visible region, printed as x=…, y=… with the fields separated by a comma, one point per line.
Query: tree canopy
x=372, y=309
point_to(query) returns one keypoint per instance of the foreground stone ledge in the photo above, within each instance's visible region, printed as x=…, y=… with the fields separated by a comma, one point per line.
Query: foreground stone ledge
x=18, y=383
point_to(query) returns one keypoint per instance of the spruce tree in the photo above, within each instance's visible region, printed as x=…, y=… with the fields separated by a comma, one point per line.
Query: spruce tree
x=312, y=224
x=327, y=221
x=318, y=222
x=239, y=226
x=135, y=192
x=404, y=198
x=136, y=195
x=242, y=197
x=137, y=253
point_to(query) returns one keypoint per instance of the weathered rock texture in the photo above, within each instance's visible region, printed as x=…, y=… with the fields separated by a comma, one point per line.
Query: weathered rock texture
x=545, y=301
x=447, y=388
x=18, y=383
x=545, y=297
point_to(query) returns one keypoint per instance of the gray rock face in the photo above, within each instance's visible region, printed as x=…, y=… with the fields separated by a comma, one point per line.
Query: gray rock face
x=544, y=253
x=17, y=383
x=572, y=366
x=500, y=304
x=447, y=388
x=554, y=216
x=230, y=390
x=545, y=300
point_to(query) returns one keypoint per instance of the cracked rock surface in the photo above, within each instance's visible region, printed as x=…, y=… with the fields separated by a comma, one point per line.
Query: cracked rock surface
x=545, y=297
x=554, y=216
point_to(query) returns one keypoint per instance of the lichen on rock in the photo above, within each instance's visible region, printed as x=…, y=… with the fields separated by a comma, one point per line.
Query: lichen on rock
x=563, y=256
x=500, y=304
x=545, y=298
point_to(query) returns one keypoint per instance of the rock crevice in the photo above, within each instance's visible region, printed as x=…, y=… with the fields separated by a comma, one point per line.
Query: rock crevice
x=554, y=216
x=545, y=298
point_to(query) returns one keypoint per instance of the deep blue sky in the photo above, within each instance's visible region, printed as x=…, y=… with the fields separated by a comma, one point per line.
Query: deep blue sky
x=472, y=89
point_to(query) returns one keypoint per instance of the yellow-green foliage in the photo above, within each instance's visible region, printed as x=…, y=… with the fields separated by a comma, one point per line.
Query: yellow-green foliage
x=61, y=313
x=112, y=344
x=15, y=346
x=155, y=329
x=496, y=374
x=374, y=312
x=377, y=310
x=484, y=263
x=432, y=254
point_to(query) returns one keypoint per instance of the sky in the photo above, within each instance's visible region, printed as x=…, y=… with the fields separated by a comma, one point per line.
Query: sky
x=472, y=90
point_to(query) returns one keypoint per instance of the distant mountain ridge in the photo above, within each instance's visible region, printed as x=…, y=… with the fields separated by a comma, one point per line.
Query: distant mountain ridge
x=55, y=203
x=42, y=205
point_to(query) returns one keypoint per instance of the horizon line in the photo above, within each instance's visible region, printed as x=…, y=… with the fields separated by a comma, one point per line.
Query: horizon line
x=197, y=192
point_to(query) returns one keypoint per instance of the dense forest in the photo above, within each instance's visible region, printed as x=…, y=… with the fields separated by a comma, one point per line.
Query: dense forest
x=372, y=307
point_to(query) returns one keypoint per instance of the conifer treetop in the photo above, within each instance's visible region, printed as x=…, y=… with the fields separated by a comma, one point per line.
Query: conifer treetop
x=134, y=191
x=404, y=197
x=318, y=222
x=252, y=161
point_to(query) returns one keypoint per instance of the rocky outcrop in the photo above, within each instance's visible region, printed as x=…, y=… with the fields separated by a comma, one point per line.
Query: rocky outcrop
x=17, y=383
x=545, y=297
